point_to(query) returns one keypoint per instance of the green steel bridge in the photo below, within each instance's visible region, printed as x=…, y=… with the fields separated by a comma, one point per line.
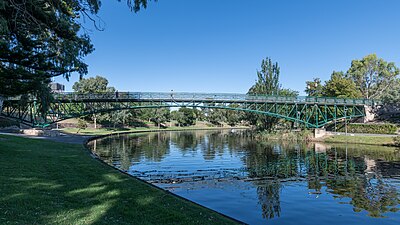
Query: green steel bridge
x=312, y=112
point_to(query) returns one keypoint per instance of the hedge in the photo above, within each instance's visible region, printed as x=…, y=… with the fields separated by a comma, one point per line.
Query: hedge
x=384, y=128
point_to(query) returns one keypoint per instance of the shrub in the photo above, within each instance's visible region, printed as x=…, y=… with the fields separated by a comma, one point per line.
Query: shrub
x=384, y=128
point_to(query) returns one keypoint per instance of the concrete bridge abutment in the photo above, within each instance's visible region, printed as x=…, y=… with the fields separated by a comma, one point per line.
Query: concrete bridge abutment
x=319, y=132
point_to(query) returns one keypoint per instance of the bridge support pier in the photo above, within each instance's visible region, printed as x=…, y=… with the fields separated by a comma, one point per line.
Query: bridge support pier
x=369, y=114
x=319, y=132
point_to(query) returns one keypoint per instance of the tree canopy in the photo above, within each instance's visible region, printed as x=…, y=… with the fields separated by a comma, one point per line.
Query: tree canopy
x=341, y=87
x=314, y=87
x=96, y=84
x=372, y=75
x=370, y=78
x=41, y=39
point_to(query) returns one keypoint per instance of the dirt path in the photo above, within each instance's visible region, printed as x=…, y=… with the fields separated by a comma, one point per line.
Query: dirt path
x=65, y=138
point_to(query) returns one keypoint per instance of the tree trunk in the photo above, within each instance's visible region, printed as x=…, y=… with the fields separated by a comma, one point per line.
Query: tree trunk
x=95, y=121
x=1, y=104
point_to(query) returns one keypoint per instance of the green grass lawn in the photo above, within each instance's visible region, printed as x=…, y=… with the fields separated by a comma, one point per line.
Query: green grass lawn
x=44, y=182
x=370, y=140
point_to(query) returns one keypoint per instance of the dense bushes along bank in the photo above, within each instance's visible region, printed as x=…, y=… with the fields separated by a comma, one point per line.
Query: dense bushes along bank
x=384, y=128
x=303, y=135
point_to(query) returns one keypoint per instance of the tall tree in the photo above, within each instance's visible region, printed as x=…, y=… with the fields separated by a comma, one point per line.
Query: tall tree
x=41, y=39
x=341, y=87
x=267, y=84
x=92, y=85
x=267, y=79
x=372, y=75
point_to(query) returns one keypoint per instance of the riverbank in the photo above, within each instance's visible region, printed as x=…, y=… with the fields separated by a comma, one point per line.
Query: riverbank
x=307, y=136
x=46, y=182
x=107, y=131
x=359, y=139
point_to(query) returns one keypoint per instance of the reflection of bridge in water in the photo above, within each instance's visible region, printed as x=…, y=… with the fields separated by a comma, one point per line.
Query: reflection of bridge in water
x=312, y=112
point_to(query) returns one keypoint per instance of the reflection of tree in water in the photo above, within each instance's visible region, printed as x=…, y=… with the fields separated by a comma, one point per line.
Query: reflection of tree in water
x=269, y=199
x=125, y=148
x=345, y=173
x=358, y=174
x=186, y=141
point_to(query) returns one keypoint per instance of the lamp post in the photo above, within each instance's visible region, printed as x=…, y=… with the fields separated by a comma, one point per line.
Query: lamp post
x=345, y=120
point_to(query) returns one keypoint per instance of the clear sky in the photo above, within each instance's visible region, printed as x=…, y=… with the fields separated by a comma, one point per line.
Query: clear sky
x=218, y=45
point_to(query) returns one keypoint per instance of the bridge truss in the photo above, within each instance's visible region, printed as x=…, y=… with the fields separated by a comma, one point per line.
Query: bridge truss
x=312, y=112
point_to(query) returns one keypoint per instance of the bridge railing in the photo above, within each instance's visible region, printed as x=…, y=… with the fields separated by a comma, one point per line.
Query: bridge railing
x=187, y=96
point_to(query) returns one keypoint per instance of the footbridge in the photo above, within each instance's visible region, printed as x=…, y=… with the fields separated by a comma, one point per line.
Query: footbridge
x=312, y=112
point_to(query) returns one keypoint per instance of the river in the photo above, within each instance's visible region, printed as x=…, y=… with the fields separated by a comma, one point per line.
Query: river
x=265, y=182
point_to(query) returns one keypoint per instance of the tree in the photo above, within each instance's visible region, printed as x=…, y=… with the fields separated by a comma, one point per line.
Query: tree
x=216, y=116
x=288, y=92
x=185, y=116
x=372, y=75
x=268, y=79
x=92, y=85
x=161, y=115
x=314, y=87
x=267, y=84
x=341, y=87
x=392, y=95
x=41, y=39
x=81, y=125
x=233, y=117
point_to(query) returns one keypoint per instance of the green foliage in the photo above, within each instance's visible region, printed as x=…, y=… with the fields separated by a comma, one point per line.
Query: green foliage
x=161, y=115
x=386, y=128
x=288, y=92
x=81, y=125
x=4, y=122
x=233, y=117
x=216, y=116
x=341, y=87
x=96, y=84
x=185, y=116
x=372, y=75
x=268, y=79
x=41, y=39
x=303, y=135
x=392, y=95
x=267, y=84
x=314, y=87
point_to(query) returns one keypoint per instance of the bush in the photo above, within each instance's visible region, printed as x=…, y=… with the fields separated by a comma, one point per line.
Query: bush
x=7, y=123
x=384, y=128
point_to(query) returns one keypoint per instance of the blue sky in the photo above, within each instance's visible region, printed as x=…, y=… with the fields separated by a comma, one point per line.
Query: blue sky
x=218, y=45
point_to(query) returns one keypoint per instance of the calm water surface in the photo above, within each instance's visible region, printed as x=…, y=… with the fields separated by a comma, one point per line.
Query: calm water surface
x=265, y=183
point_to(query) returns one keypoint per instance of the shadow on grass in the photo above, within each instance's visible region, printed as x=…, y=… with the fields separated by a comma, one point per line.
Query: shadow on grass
x=44, y=182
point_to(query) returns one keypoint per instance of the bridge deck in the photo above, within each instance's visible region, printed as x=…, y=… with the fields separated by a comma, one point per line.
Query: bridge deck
x=203, y=97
